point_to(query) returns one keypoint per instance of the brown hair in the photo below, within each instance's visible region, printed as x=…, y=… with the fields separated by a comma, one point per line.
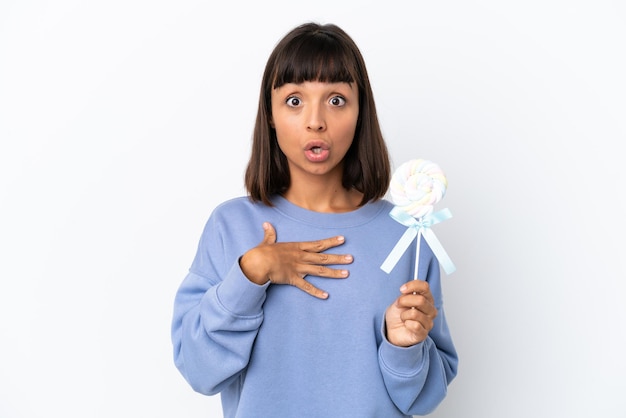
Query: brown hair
x=314, y=52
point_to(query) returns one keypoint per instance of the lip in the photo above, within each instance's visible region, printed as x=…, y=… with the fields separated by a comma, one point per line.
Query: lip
x=318, y=143
x=316, y=151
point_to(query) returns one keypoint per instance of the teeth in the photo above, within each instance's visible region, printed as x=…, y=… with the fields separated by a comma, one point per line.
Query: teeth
x=316, y=150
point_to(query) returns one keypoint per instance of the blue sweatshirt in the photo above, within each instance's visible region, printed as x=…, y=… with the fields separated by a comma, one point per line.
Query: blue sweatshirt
x=274, y=351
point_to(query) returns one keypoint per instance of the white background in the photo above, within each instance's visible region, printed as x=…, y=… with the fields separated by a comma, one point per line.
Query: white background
x=123, y=123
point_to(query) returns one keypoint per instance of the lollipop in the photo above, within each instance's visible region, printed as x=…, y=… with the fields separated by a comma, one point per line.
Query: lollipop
x=415, y=188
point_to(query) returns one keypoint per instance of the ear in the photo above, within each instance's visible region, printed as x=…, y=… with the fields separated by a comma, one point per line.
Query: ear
x=272, y=123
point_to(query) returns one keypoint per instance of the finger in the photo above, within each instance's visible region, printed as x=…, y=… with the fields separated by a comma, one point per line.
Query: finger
x=269, y=233
x=324, y=258
x=322, y=271
x=418, y=302
x=414, y=317
x=310, y=289
x=418, y=287
x=322, y=244
x=416, y=327
x=410, y=315
x=412, y=300
x=415, y=286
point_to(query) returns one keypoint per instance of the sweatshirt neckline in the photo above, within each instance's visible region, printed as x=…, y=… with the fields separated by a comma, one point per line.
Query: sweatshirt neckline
x=356, y=217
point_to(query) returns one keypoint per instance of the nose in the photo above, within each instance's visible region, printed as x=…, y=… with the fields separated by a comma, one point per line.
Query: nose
x=316, y=120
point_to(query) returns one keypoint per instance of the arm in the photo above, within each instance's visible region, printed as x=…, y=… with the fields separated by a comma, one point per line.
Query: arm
x=217, y=314
x=417, y=376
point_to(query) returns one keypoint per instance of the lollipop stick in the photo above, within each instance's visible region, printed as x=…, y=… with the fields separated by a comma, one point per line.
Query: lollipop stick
x=417, y=253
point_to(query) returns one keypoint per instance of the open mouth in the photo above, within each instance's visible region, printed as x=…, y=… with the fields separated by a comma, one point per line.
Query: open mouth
x=317, y=152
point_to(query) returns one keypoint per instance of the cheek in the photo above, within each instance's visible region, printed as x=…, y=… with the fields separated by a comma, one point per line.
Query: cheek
x=285, y=135
x=283, y=130
x=347, y=130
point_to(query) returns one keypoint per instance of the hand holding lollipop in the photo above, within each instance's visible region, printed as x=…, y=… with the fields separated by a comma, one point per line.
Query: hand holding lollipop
x=416, y=186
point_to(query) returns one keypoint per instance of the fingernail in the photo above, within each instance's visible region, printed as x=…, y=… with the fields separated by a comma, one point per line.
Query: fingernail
x=340, y=238
x=344, y=273
x=325, y=295
x=403, y=288
x=266, y=225
x=348, y=258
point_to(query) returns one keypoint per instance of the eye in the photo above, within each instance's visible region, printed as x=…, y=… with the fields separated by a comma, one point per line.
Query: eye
x=293, y=101
x=337, y=101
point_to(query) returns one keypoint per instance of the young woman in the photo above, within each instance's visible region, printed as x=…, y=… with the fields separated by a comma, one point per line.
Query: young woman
x=285, y=311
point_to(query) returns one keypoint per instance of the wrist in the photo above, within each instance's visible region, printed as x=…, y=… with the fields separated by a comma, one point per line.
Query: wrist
x=251, y=272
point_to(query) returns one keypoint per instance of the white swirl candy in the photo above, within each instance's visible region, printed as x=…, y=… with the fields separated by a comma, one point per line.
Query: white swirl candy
x=416, y=186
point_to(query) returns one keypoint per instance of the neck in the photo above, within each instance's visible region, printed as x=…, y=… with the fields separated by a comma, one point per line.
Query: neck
x=323, y=196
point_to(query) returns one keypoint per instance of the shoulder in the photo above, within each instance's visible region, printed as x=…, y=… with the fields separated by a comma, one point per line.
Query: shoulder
x=237, y=211
x=382, y=209
x=384, y=204
x=237, y=206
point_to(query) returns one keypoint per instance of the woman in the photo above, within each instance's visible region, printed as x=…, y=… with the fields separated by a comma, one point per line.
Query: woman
x=285, y=310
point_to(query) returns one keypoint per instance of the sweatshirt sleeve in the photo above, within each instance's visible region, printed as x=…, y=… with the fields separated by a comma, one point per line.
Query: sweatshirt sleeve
x=217, y=314
x=417, y=377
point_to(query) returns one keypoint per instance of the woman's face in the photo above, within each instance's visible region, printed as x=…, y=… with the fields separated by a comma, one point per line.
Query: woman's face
x=315, y=124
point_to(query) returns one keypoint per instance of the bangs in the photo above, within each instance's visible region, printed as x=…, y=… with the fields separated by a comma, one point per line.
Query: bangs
x=317, y=57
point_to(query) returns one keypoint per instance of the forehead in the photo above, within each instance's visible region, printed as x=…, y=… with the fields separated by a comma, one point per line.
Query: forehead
x=318, y=58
